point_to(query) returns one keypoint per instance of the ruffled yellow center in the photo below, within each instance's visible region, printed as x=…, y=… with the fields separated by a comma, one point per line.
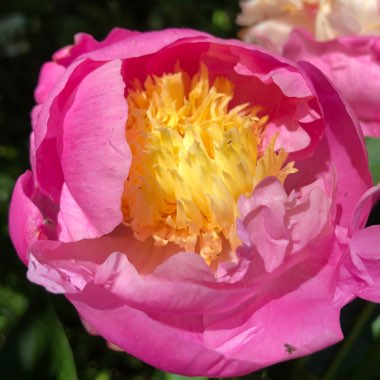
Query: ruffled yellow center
x=193, y=156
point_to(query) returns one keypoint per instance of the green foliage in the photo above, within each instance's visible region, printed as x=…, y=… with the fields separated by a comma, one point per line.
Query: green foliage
x=41, y=336
x=373, y=147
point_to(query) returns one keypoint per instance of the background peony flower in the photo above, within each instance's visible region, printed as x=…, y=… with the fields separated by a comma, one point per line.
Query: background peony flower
x=270, y=22
x=352, y=63
x=200, y=201
x=340, y=37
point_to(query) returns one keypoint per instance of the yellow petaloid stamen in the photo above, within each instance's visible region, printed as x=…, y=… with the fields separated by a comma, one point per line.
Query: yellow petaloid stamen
x=193, y=156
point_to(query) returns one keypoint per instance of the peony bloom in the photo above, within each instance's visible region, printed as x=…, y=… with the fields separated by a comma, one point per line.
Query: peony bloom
x=199, y=201
x=340, y=37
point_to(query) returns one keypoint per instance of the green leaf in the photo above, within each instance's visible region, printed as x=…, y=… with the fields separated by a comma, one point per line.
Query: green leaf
x=12, y=307
x=373, y=147
x=172, y=376
x=104, y=375
x=62, y=357
x=44, y=340
x=376, y=328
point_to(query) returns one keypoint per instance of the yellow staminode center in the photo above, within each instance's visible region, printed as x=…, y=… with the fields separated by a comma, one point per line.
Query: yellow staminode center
x=192, y=157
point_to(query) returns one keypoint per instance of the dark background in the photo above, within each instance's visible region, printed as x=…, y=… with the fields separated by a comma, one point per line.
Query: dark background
x=41, y=336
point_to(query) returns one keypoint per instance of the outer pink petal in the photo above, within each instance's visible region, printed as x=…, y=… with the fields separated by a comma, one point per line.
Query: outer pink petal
x=176, y=346
x=96, y=157
x=363, y=208
x=25, y=219
x=358, y=272
x=122, y=44
x=85, y=43
x=47, y=125
x=258, y=334
x=120, y=264
x=352, y=64
x=293, y=323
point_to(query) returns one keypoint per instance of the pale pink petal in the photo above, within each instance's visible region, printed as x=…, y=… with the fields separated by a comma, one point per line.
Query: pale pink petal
x=363, y=207
x=272, y=224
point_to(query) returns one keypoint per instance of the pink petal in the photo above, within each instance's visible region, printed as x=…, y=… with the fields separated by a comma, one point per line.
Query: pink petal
x=365, y=253
x=343, y=147
x=47, y=125
x=363, y=208
x=85, y=43
x=123, y=265
x=245, y=339
x=73, y=222
x=272, y=224
x=121, y=44
x=300, y=318
x=140, y=334
x=25, y=219
x=96, y=157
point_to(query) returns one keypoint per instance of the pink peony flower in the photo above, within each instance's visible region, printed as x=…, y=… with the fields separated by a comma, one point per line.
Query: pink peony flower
x=199, y=201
